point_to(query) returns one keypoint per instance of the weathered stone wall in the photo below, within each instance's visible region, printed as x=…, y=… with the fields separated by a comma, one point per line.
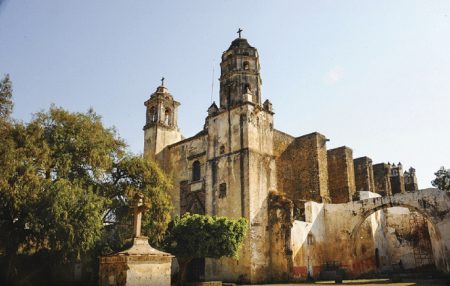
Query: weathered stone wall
x=397, y=183
x=341, y=175
x=178, y=163
x=157, y=138
x=410, y=180
x=409, y=238
x=302, y=168
x=285, y=171
x=381, y=175
x=280, y=224
x=343, y=219
x=371, y=248
x=309, y=243
x=361, y=242
x=398, y=233
x=364, y=180
x=240, y=159
x=136, y=270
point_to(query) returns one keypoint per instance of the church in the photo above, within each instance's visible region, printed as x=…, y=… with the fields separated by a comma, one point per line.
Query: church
x=239, y=165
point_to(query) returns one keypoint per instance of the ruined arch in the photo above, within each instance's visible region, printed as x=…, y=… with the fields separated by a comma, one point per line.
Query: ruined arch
x=431, y=205
x=411, y=207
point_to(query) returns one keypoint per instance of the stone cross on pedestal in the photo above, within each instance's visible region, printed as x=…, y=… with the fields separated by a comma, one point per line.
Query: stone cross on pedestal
x=140, y=264
x=138, y=208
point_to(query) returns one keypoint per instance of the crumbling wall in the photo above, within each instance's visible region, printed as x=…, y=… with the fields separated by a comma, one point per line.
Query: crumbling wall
x=341, y=175
x=180, y=158
x=364, y=180
x=398, y=233
x=398, y=183
x=280, y=224
x=409, y=238
x=285, y=171
x=302, y=168
x=381, y=173
x=309, y=243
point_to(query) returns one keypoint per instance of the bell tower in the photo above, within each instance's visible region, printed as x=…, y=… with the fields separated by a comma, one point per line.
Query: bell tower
x=161, y=127
x=240, y=164
x=240, y=80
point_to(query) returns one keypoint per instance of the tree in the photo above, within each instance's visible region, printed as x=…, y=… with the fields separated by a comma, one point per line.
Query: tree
x=61, y=176
x=201, y=236
x=442, y=180
x=130, y=175
x=6, y=104
x=50, y=169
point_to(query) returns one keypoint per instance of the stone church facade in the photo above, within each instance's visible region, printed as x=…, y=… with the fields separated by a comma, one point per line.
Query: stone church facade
x=239, y=165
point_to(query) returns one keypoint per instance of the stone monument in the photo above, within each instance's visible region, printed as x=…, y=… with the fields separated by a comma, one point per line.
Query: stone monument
x=139, y=265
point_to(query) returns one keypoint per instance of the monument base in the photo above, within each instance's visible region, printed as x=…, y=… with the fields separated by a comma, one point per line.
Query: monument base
x=139, y=265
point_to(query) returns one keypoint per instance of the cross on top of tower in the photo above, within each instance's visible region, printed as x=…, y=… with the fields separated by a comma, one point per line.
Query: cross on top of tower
x=239, y=32
x=162, y=81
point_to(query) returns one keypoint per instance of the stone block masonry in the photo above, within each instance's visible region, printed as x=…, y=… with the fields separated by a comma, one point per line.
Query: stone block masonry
x=304, y=169
x=341, y=175
x=364, y=180
x=381, y=173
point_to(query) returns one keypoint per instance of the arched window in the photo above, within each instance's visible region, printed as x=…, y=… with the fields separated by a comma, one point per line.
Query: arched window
x=152, y=114
x=168, y=116
x=196, y=172
x=246, y=88
x=246, y=66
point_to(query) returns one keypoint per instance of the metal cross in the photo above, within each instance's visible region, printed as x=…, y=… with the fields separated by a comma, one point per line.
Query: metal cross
x=239, y=32
x=162, y=81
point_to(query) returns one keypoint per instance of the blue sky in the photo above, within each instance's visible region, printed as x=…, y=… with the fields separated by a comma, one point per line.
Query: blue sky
x=371, y=75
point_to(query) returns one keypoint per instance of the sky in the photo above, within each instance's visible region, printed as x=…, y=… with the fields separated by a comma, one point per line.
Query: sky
x=370, y=75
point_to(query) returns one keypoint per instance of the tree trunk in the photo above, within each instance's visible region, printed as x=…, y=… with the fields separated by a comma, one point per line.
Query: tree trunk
x=11, y=271
x=183, y=264
x=11, y=257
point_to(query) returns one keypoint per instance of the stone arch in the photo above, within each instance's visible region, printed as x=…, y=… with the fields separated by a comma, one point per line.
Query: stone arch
x=382, y=206
x=438, y=246
x=152, y=114
x=168, y=116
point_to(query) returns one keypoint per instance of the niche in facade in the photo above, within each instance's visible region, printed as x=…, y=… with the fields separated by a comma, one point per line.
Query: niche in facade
x=196, y=172
x=223, y=190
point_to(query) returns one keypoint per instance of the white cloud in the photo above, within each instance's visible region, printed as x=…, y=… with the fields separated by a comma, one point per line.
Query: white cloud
x=334, y=75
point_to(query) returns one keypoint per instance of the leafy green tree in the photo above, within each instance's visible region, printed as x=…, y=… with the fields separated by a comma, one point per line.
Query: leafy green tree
x=442, y=180
x=62, y=177
x=201, y=236
x=130, y=175
x=49, y=171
